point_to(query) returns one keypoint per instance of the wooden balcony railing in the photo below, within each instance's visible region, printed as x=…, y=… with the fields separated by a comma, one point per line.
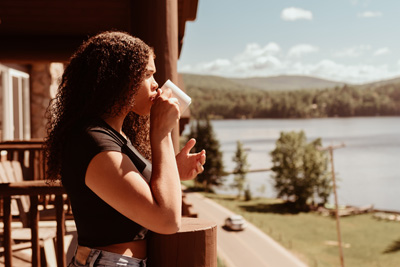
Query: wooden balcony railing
x=30, y=154
x=194, y=245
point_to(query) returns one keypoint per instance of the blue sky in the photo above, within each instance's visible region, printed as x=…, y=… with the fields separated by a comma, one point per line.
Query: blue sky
x=354, y=41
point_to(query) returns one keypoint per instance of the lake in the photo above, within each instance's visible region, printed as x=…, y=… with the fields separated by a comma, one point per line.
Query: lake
x=367, y=168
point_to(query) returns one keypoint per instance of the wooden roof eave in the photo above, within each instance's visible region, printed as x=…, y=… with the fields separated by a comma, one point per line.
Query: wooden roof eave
x=47, y=30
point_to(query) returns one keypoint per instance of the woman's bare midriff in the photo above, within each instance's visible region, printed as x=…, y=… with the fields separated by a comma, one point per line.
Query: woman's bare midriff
x=136, y=249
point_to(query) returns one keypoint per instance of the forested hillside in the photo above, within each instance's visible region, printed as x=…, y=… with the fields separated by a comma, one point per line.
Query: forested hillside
x=223, y=98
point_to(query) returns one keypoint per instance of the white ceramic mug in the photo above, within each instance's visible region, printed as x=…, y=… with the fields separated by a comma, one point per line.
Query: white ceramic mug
x=184, y=99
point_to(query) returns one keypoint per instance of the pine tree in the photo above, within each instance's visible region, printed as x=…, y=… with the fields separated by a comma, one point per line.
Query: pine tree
x=241, y=169
x=213, y=173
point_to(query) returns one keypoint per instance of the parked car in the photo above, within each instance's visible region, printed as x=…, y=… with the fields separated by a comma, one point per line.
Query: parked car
x=235, y=222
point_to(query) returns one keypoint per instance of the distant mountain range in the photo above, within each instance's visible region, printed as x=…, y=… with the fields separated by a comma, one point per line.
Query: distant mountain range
x=287, y=82
x=275, y=83
x=382, y=83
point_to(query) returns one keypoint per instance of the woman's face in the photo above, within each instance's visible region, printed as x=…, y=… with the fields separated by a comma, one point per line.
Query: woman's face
x=146, y=91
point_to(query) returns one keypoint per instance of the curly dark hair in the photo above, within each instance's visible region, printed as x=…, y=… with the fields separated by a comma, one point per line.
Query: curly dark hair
x=101, y=79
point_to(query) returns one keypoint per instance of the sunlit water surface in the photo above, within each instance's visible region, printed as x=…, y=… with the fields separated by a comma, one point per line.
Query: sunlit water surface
x=367, y=168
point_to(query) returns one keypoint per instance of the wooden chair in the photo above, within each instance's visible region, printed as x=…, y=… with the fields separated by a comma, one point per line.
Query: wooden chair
x=11, y=172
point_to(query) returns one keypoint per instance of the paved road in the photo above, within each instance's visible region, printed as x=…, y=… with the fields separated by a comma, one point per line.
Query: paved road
x=248, y=248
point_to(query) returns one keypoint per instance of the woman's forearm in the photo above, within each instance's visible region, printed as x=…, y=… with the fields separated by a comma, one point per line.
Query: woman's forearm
x=165, y=182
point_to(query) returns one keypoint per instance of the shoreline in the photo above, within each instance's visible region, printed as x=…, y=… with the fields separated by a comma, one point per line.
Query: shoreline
x=373, y=209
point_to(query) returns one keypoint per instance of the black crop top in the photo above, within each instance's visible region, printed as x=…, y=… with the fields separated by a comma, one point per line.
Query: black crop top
x=98, y=224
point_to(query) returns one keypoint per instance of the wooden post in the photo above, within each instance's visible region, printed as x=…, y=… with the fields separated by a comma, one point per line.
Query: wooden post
x=195, y=245
x=160, y=31
x=34, y=224
x=7, y=230
x=59, y=202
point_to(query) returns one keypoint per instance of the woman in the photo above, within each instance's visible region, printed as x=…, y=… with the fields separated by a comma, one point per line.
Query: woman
x=107, y=122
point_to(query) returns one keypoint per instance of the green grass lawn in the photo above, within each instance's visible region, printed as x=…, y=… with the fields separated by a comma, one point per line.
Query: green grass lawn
x=312, y=237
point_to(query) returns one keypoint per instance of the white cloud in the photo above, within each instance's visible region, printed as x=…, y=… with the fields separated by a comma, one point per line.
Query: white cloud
x=357, y=73
x=295, y=13
x=272, y=48
x=301, y=49
x=216, y=65
x=382, y=51
x=266, y=62
x=254, y=51
x=355, y=51
x=370, y=14
x=270, y=60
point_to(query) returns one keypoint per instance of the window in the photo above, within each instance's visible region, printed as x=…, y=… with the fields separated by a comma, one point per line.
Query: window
x=14, y=104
